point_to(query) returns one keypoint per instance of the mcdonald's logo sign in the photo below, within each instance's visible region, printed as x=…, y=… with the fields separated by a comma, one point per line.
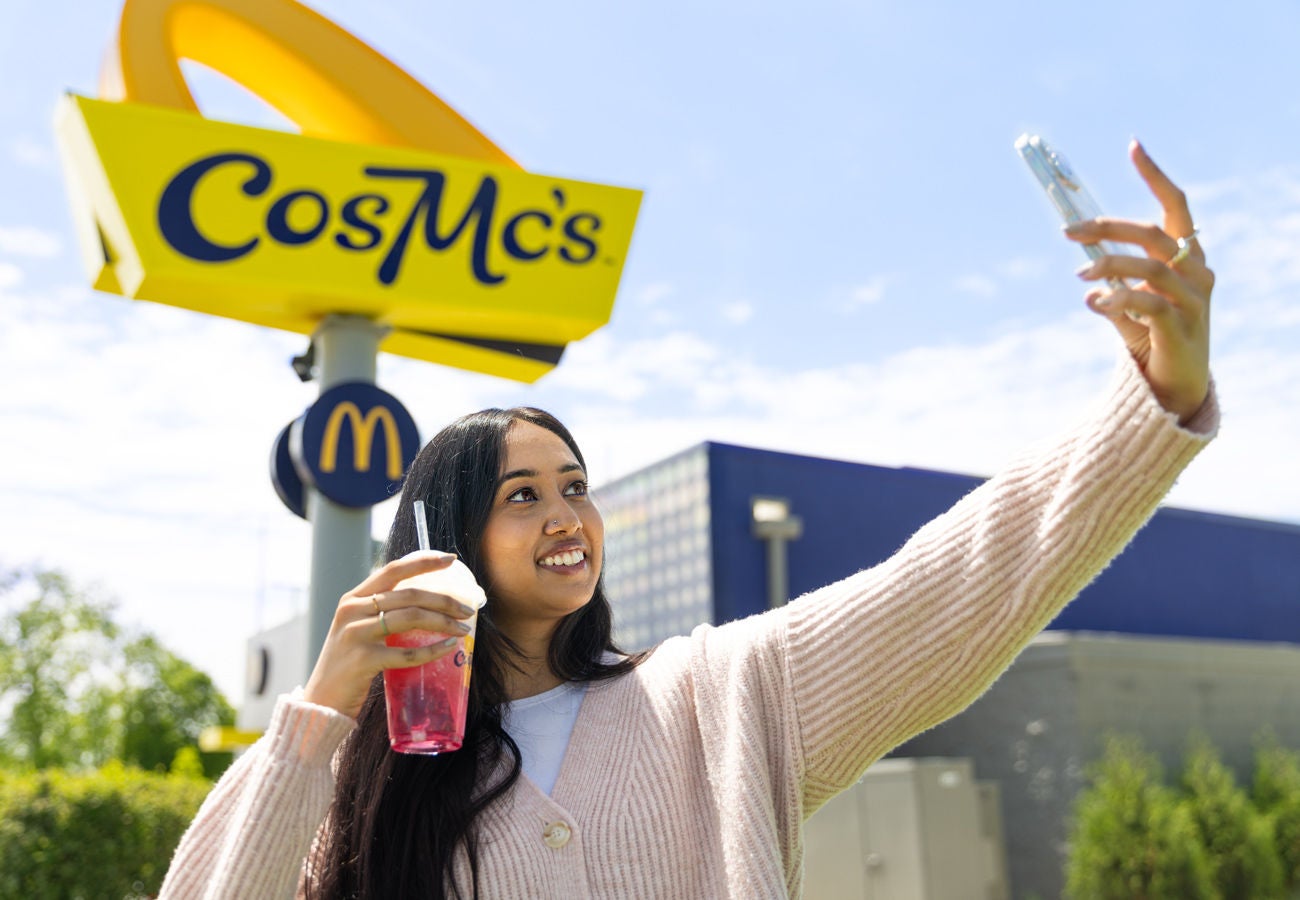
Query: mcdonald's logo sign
x=363, y=433
x=354, y=444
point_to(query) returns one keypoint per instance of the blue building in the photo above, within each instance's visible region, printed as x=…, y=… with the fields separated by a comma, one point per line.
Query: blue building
x=681, y=548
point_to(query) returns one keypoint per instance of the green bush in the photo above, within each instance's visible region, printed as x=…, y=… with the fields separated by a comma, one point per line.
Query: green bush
x=106, y=834
x=1238, y=839
x=1132, y=839
x=1277, y=795
x=1135, y=838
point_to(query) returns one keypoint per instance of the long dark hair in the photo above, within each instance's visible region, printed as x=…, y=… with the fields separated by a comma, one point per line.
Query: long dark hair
x=399, y=822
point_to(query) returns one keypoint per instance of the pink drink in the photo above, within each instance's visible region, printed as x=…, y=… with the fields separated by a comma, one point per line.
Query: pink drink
x=426, y=704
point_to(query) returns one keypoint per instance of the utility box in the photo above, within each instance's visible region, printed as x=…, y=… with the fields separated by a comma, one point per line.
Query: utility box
x=911, y=829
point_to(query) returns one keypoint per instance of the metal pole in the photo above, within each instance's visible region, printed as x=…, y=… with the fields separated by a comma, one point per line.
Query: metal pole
x=772, y=523
x=341, y=556
x=778, y=591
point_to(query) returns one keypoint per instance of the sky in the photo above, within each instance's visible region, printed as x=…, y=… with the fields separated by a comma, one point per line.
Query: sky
x=838, y=254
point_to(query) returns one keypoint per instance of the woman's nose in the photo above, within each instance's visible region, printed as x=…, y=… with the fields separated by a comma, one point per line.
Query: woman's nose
x=563, y=521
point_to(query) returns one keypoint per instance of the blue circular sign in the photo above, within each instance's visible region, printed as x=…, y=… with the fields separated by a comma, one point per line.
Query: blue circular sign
x=284, y=477
x=354, y=444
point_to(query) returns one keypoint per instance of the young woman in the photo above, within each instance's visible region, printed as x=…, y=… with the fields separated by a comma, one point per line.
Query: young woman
x=688, y=771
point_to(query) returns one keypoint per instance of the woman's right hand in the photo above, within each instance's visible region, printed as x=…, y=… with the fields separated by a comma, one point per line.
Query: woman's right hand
x=355, y=650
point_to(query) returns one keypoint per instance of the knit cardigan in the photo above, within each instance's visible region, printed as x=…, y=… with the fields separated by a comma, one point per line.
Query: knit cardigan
x=691, y=776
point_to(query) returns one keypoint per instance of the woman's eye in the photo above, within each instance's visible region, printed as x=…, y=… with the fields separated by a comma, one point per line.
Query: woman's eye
x=577, y=489
x=522, y=495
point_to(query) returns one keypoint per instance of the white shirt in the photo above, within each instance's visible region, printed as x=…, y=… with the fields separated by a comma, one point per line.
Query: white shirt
x=541, y=726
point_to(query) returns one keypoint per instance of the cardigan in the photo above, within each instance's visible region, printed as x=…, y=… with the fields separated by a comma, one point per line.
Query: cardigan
x=691, y=775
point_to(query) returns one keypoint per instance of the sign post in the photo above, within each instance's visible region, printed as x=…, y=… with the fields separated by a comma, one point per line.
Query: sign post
x=346, y=349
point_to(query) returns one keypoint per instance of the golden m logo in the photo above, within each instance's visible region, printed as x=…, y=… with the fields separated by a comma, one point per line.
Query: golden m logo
x=363, y=436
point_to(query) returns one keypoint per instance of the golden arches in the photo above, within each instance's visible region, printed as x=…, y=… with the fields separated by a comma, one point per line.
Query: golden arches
x=363, y=435
x=325, y=80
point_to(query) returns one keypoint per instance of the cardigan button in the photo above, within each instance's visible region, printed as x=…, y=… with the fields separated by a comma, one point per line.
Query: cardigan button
x=556, y=835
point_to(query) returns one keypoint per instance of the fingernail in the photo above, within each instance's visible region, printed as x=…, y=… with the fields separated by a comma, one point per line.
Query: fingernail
x=465, y=611
x=450, y=642
x=464, y=627
x=1086, y=270
x=1075, y=227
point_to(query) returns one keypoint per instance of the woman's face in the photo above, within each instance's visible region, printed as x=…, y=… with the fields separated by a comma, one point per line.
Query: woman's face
x=544, y=537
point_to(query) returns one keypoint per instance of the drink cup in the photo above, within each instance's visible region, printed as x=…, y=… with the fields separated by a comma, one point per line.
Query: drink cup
x=427, y=703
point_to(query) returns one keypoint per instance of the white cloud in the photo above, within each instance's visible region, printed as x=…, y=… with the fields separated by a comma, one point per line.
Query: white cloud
x=1250, y=469
x=134, y=458
x=871, y=292
x=651, y=294
x=962, y=407
x=908, y=408
x=738, y=312
x=10, y=276
x=24, y=240
x=868, y=293
x=1023, y=268
x=1250, y=229
x=979, y=285
x=626, y=371
x=26, y=151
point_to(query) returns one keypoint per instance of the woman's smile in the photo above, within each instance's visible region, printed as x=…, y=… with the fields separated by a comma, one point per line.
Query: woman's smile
x=565, y=559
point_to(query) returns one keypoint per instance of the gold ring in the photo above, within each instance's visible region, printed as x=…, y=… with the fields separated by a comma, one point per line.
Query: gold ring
x=382, y=623
x=1184, y=248
x=374, y=598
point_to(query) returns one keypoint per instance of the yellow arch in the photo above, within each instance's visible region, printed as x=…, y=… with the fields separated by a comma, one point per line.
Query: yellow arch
x=363, y=436
x=327, y=81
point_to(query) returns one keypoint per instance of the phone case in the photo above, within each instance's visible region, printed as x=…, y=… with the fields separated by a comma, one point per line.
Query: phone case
x=1063, y=188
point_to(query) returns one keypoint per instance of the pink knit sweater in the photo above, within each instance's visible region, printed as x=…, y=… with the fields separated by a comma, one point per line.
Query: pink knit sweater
x=691, y=776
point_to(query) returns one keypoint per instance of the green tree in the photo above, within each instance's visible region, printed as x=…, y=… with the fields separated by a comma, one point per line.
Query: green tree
x=165, y=705
x=1237, y=838
x=1131, y=838
x=77, y=690
x=52, y=651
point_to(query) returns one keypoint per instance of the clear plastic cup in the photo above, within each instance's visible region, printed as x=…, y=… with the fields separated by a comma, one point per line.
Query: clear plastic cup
x=427, y=703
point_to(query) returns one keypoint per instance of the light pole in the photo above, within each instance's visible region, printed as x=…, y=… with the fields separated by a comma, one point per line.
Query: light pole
x=771, y=522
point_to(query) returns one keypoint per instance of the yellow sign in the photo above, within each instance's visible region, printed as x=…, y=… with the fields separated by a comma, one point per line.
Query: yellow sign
x=218, y=738
x=389, y=205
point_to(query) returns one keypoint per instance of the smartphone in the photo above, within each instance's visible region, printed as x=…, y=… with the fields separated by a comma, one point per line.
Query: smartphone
x=1065, y=190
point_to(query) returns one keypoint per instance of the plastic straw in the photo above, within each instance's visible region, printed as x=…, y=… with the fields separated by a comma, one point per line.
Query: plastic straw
x=421, y=525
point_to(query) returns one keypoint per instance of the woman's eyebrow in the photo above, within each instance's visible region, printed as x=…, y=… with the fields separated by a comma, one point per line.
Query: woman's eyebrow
x=533, y=473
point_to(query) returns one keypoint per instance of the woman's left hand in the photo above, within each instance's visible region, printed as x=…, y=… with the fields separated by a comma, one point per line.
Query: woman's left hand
x=1164, y=318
